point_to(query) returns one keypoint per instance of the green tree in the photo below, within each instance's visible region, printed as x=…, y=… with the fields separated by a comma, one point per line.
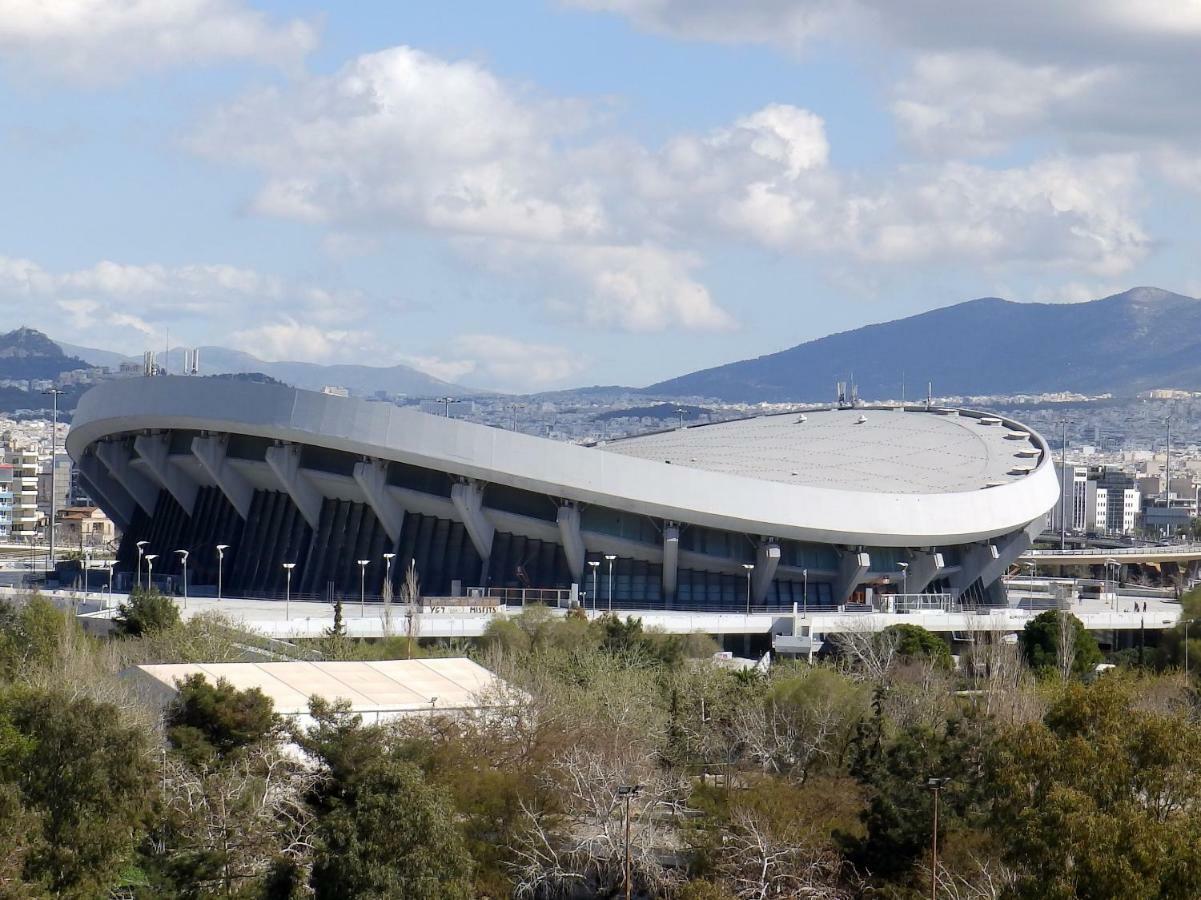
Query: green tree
x=87, y=777
x=1099, y=798
x=916, y=642
x=382, y=831
x=146, y=612
x=1043, y=643
x=30, y=635
x=209, y=722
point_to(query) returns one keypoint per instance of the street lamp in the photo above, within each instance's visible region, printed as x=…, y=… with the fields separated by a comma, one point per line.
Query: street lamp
x=288, y=567
x=388, y=557
x=935, y=785
x=805, y=595
x=141, y=550
x=446, y=402
x=221, y=548
x=183, y=556
x=87, y=562
x=54, y=394
x=109, y=565
x=593, y=564
x=150, y=558
x=904, y=578
x=610, y=557
x=363, y=587
x=626, y=792
x=750, y=567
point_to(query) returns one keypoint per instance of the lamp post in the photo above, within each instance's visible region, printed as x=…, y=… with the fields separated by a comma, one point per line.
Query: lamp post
x=610, y=557
x=53, y=393
x=388, y=557
x=446, y=402
x=221, y=548
x=363, y=587
x=904, y=579
x=183, y=556
x=150, y=558
x=594, y=564
x=109, y=565
x=935, y=785
x=87, y=562
x=1114, y=591
x=141, y=551
x=288, y=567
x=625, y=793
x=750, y=567
x=805, y=595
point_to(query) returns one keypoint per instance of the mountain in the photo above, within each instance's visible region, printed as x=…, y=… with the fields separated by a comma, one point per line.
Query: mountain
x=26, y=354
x=363, y=380
x=1140, y=339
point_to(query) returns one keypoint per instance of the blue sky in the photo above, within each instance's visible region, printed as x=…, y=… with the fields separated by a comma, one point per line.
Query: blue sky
x=535, y=195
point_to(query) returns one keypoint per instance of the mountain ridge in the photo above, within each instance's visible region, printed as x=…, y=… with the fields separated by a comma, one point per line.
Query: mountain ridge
x=1134, y=340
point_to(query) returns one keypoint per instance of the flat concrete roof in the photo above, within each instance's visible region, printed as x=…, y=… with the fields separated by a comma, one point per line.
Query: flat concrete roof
x=380, y=687
x=884, y=450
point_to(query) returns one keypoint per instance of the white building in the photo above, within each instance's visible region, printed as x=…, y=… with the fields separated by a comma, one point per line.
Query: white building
x=1112, y=502
x=1073, y=499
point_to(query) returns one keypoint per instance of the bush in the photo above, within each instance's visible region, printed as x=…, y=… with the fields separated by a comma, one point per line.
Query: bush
x=146, y=612
x=1040, y=641
x=916, y=642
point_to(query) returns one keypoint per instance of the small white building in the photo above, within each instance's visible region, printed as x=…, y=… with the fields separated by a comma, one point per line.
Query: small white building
x=377, y=690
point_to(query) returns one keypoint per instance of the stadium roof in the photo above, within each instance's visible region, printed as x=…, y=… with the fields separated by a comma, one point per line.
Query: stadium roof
x=886, y=450
x=381, y=688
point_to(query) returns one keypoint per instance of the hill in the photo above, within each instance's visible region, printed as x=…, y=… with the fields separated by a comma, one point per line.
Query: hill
x=1142, y=338
x=26, y=354
x=362, y=380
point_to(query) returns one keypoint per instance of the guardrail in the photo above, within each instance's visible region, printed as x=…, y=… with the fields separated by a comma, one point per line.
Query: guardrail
x=1150, y=550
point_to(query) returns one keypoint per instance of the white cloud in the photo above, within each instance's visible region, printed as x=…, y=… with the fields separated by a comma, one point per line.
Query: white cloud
x=510, y=364
x=102, y=41
x=400, y=137
x=119, y=305
x=290, y=339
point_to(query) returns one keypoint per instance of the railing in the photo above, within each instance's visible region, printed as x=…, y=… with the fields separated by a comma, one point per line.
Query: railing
x=1149, y=550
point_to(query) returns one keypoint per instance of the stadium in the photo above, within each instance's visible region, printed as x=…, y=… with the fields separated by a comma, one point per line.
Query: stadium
x=822, y=508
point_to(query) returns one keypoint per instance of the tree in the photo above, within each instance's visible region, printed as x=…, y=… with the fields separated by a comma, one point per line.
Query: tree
x=916, y=642
x=146, y=612
x=1099, y=798
x=87, y=777
x=382, y=830
x=1044, y=644
x=30, y=635
x=208, y=722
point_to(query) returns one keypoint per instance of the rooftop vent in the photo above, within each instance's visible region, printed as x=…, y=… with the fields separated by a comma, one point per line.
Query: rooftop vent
x=861, y=420
x=802, y=419
x=989, y=420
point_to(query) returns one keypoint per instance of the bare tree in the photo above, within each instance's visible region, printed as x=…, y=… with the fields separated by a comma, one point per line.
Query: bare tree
x=759, y=863
x=1002, y=679
x=867, y=652
x=581, y=846
x=245, y=815
x=411, y=595
x=1065, y=644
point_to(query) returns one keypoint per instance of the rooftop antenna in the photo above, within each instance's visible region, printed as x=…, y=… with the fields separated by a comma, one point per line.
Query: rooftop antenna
x=929, y=394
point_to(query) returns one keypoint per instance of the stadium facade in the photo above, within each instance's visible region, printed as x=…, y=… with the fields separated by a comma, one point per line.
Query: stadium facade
x=816, y=508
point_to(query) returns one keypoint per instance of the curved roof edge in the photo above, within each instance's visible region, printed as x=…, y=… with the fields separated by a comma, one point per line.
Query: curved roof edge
x=563, y=470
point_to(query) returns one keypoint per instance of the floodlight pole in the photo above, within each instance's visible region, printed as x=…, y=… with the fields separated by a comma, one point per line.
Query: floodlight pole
x=221, y=548
x=183, y=554
x=593, y=564
x=610, y=557
x=53, y=393
x=288, y=567
x=750, y=567
x=141, y=551
x=363, y=588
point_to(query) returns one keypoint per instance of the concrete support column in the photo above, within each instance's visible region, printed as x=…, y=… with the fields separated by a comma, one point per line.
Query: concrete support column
x=284, y=460
x=988, y=561
x=117, y=502
x=924, y=567
x=468, y=498
x=671, y=561
x=767, y=559
x=211, y=453
x=372, y=479
x=573, y=542
x=116, y=457
x=155, y=450
x=852, y=567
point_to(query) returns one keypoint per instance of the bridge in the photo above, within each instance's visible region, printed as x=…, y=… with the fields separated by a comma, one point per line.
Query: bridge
x=1098, y=556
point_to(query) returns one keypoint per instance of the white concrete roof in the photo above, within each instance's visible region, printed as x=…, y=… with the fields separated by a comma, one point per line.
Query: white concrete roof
x=883, y=450
x=853, y=502
x=380, y=687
